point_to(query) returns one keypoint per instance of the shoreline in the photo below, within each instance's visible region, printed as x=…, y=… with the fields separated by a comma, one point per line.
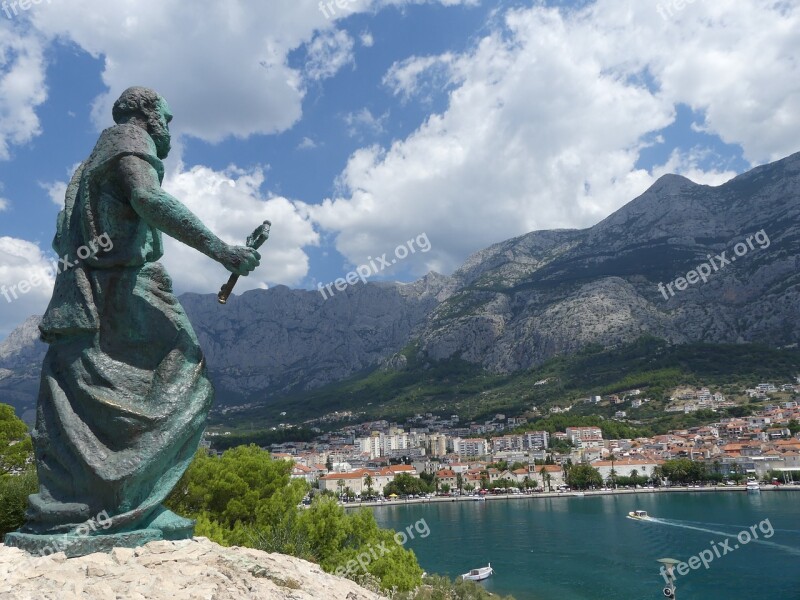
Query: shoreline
x=572, y=494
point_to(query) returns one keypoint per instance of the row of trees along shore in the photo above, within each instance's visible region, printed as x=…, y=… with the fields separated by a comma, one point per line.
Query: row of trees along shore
x=679, y=471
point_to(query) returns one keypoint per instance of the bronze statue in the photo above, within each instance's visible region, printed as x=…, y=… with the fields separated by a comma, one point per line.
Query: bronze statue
x=124, y=394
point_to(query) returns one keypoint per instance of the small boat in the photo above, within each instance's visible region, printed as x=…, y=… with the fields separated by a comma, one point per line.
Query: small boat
x=639, y=515
x=478, y=574
x=579, y=494
x=479, y=498
x=752, y=486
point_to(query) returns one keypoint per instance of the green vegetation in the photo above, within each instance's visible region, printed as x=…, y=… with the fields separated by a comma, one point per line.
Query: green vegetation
x=612, y=430
x=583, y=477
x=245, y=498
x=17, y=473
x=406, y=484
x=455, y=386
x=16, y=447
x=14, y=492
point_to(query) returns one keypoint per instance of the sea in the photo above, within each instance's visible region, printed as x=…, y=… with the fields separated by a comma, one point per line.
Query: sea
x=741, y=545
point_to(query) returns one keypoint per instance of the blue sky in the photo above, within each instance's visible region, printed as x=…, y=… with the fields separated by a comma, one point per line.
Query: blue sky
x=467, y=120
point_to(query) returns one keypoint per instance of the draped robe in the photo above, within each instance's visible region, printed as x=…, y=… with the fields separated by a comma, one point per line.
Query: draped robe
x=124, y=394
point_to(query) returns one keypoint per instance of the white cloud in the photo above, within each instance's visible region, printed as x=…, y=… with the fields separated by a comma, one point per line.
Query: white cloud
x=57, y=190
x=307, y=144
x=363, y=121
x=22, y=87
x=736, y=62
x=366, y=39
x=546, y=119
x=687, y=164
x=328, y=52
x=23, y=262
x=3, y=204
x=409, y=77
x=223, y=66
x=232, y=205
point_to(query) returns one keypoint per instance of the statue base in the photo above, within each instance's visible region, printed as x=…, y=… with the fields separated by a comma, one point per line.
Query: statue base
x=80, y=545
x=165, y=525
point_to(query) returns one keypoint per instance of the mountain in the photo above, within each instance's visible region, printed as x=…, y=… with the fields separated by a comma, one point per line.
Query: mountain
x=520, y=302
x=21, y=355
x=546, y=293
x=265, y=343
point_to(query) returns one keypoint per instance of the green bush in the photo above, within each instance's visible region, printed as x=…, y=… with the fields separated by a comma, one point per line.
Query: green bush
x=16, y=448
x=14, y=492
x=245, y=498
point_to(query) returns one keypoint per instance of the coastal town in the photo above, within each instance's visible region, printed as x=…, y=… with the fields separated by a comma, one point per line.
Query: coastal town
x=361, y=460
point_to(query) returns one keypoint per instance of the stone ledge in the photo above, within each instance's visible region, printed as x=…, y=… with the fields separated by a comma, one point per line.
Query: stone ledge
x=196, y=569
x=80, y=545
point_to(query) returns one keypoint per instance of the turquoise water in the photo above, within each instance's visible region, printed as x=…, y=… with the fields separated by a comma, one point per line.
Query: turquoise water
x=585, y=549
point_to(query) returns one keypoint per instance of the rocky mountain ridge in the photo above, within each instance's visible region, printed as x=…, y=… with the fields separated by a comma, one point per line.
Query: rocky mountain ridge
x=519, y=302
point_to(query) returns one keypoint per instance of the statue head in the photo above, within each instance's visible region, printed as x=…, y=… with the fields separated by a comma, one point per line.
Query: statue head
x=144, y=107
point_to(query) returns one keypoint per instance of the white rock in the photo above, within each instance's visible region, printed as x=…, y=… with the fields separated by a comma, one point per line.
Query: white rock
x=186, y=570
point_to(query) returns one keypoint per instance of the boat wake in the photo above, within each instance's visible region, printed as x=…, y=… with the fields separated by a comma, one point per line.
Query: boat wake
x=683, y=525
x=731, y=525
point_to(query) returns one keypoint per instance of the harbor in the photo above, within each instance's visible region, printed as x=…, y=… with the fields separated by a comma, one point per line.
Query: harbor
x=587, y=548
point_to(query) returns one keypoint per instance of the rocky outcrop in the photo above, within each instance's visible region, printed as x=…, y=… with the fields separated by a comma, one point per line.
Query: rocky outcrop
x=195, y=569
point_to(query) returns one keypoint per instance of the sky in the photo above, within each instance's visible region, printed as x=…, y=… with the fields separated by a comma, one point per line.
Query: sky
x=356, y=126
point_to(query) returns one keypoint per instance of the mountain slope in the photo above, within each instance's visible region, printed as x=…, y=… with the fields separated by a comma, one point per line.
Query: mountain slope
x=518, y=303
x=547, y=293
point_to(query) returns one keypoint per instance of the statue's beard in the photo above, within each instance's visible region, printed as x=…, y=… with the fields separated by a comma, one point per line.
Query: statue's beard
x=161, y=137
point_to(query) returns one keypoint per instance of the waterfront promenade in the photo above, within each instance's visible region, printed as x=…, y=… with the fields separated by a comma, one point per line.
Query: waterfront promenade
x=741, y=489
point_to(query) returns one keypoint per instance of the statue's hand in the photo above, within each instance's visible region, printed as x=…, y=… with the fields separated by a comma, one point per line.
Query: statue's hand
x=240, y=260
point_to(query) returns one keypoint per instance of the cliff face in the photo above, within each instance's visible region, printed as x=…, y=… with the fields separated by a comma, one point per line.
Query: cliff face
x=185, y=570
x=21, y=355
x=265, y=343
x=281, y=339
x=519, y=302
x=522, y=301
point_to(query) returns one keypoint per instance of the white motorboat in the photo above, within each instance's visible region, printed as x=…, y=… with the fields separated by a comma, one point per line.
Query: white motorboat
x=639, y=515
x=478, y=574
x=752, y=485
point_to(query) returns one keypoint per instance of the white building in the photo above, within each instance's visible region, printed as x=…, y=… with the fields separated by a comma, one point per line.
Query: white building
x=625, y=466
x=536, y=440
x=577, y=434
x=379, y=444
x=465, y=447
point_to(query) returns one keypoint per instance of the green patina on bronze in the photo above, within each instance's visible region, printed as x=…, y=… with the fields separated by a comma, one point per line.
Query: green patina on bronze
x=124, y=394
